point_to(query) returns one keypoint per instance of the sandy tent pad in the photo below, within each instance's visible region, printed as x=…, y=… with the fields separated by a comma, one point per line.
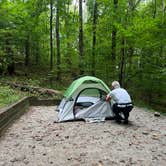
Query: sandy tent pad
x=35, y=140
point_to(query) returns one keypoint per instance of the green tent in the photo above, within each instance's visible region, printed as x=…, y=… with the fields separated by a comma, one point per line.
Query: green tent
x=85, y=98
x=83, y=80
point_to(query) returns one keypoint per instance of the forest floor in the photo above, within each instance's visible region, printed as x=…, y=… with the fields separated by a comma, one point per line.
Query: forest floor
x=35, y=140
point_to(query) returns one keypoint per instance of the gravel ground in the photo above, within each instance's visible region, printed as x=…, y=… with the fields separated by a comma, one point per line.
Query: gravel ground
x=35, y=140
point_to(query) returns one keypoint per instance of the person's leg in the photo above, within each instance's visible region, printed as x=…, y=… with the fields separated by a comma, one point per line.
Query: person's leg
x=117, y=113
x=126, y=113
x=126, y=116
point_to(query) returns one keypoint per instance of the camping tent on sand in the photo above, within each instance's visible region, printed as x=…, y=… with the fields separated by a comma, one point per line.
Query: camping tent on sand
x=84, y=99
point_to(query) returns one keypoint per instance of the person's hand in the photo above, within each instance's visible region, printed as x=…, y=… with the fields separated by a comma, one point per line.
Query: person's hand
x=107, y=98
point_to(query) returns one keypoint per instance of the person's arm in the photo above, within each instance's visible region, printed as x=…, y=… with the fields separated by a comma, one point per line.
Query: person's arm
x=108, y=97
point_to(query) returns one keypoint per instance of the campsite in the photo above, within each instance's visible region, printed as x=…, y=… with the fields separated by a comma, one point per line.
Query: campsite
x=82, y=82
x=79, y=131
x=35, y=139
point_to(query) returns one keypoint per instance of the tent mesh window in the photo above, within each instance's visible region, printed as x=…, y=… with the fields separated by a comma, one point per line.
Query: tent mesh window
x=90, y=93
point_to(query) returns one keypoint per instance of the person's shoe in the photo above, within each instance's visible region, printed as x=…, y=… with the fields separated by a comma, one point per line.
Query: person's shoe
x=118, y=121
x=126, y=122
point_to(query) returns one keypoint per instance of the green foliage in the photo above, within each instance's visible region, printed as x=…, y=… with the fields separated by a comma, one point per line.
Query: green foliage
x=8, y=95
x=24, y=33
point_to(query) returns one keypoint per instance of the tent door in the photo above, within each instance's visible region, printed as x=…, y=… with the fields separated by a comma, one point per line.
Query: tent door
x=86, y=98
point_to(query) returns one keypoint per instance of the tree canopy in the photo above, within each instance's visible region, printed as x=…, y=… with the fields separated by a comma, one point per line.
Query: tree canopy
x=112, y=39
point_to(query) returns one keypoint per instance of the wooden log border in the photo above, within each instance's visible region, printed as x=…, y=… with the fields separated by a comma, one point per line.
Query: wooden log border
x=10, y=113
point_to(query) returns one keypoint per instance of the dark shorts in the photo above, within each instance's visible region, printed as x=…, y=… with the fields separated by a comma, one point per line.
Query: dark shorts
x=125, y=110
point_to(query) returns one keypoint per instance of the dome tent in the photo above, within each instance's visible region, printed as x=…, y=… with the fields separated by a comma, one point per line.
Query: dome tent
x=85, y=98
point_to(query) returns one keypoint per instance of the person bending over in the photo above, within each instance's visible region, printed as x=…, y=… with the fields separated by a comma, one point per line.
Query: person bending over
x=121, y=102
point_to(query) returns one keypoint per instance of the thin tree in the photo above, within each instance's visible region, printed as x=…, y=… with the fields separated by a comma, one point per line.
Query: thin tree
x=155, y=8
x=163, y=10
x=94, y=38
x=10, y=54
x=162, y=22
x=81, y=37
x=126, y=53
x=67, y=29
x=122, y=62
x=114, y=31
x=27, y=50
x=51, y=39
x=58, y=42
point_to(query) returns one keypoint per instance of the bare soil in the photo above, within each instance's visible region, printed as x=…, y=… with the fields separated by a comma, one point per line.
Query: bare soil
x=35, y=140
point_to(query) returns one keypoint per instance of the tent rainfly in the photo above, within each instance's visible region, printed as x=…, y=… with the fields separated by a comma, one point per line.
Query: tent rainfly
x=85, y=99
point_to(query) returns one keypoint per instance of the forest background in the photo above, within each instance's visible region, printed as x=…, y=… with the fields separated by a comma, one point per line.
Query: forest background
x=49, y=43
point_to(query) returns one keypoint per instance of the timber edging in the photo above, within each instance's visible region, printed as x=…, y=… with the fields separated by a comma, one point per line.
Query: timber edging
x=10, y=113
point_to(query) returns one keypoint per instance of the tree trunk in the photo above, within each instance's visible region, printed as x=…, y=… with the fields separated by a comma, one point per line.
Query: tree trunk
x=163, y=10
x=27, y=51
x=10, y=55
x=37, y=57
x=113, y=43
x=68, y=44
x=51, y=40
x=161, y=52
x=122, y=62
x=130, y=55
x=58, y=43
x=94, y=38
x=155, y=8
x=75, y=7
x=81, y=38
x=113, y=52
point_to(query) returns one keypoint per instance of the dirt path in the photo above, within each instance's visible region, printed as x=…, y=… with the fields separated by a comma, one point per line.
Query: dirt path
x=34, y=140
